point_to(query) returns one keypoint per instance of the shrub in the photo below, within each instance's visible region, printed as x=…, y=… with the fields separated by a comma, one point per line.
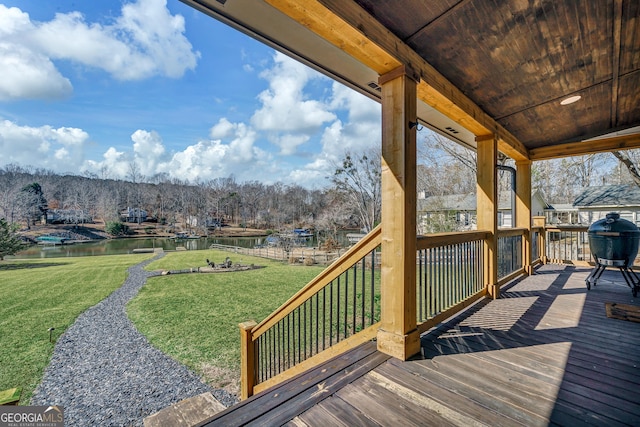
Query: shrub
x=116, y=228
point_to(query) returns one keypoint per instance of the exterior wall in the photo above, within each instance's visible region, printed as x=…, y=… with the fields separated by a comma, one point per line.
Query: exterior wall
x=72, y=216
x=588, y=216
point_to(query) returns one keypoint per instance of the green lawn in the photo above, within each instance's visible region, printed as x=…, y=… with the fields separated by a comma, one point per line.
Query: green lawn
x=194, y=317
x=38, y=294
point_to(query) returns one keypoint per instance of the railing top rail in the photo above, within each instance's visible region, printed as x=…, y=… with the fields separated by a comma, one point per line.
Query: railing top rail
x=442, y=239
x=367, y=244
x=561, y=227
x=508, y=232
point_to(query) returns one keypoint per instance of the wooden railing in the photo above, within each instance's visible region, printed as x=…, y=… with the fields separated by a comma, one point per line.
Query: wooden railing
x=450, y=275
x=337, y=310
x=567, y=244
x=510, y=249
x=340, y=308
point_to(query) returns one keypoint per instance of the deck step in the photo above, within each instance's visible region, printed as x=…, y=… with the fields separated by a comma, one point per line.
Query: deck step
x=188, y=412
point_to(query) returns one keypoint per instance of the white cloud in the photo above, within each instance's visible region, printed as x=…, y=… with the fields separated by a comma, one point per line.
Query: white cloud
x=114, y=162
x=146, y=40
x=148, y=151
x=59, y=149
x=215, y=158
x=359, y=131
x=289, y=143
x=223, y=129
x=359, y=107
x=25, y=73
x=286, y=111
x=208, y=159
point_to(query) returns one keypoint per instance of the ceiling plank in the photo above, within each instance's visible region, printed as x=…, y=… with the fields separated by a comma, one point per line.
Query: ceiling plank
x=617, y=28
x=352, y=29
x=623, y=142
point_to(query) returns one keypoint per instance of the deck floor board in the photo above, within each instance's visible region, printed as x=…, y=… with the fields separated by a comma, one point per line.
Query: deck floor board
x=543, y=354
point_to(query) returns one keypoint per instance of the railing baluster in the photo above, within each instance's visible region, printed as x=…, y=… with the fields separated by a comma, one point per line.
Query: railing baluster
x=317, y=323
x=331, y=313
x=338, y=311
x=324, y=316
x=346, y=304
x=303, y=326
x=298, y=329
x=353, y=306
x=363, y=288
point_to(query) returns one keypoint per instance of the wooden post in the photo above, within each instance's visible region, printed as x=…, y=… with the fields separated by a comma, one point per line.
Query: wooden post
x=247, y=360
x=487, y=208
x=398, y=335
x=523, y=210
x=539, y=221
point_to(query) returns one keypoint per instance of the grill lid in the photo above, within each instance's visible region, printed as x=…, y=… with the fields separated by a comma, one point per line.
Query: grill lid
x=614, y=239
x=612, y=225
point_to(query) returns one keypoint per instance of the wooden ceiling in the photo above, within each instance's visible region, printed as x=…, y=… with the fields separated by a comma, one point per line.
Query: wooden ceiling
x=486, y=66
x=518, y=59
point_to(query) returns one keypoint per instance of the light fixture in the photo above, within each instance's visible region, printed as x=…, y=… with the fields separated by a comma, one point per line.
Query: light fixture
x=570, y=100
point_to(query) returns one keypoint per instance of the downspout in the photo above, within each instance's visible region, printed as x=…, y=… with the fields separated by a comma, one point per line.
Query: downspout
x=513, y=192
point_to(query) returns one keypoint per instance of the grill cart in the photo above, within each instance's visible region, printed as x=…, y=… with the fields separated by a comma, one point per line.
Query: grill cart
x=614, y=243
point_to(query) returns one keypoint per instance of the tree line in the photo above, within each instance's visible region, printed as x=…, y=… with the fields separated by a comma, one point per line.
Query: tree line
x=26, y=193
x=351, y=198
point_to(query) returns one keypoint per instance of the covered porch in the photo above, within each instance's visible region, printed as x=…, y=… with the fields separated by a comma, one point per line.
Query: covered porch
x=527, y=81
x=544, y=353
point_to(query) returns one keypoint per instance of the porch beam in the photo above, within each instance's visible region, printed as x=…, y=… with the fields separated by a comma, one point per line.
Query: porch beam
x=622, y=142
x=398, y=335
x=523, y=210
x=487, y=208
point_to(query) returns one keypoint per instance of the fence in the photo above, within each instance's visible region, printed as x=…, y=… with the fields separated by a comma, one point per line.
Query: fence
x=277, y=253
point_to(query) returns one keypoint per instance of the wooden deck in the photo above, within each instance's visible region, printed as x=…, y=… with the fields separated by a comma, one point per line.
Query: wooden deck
x=543, y=354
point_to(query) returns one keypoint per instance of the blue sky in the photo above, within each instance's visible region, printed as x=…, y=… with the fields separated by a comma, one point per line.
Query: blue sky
x=96, y=86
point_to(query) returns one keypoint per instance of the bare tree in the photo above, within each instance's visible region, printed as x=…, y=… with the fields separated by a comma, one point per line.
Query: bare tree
x=359, y=178
x=631, y=161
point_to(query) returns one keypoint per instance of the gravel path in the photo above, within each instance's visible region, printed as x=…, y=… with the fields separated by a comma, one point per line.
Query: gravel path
x=104, y=372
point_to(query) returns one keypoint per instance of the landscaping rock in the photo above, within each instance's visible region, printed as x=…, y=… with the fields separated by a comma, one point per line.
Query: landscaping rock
x=104, y=372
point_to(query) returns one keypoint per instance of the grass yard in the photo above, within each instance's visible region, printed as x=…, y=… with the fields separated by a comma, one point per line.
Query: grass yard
x=39, y=294
x=194, y=317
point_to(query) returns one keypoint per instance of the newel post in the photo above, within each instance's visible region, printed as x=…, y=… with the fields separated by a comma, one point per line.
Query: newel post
x=539, y=221
x=247, y=360
x=398, y=335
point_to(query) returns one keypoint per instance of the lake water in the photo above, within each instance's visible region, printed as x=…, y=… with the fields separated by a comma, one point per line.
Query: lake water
x=126, y=246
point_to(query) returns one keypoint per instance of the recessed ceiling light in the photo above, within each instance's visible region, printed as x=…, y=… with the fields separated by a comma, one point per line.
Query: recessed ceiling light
x=570, y=100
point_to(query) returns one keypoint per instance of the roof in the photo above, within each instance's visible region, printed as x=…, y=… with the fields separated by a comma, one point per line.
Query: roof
x=609, y=196
x=562, y=207
x=484, y=66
